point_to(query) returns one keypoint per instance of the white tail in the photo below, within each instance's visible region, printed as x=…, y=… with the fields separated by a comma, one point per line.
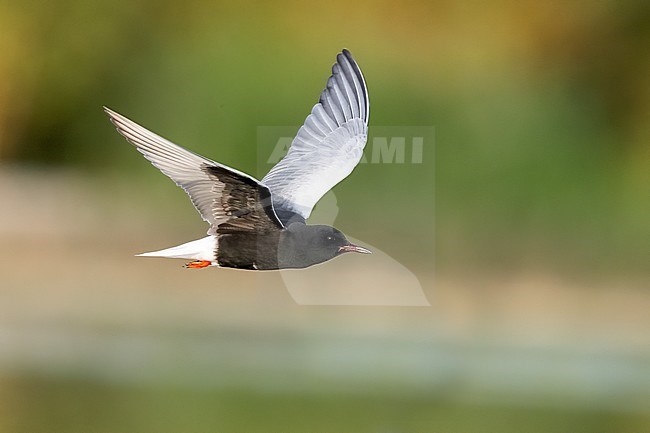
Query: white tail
x=200, y=249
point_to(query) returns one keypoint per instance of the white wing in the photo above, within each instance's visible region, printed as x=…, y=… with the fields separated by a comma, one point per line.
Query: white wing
x=328, y=146
x=220, y=194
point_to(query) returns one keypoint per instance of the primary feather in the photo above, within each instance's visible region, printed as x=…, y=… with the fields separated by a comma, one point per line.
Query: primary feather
x=329, y=144
x=223, y=196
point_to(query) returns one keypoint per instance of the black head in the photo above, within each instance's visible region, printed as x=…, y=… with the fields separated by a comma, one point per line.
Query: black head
x=305, y=245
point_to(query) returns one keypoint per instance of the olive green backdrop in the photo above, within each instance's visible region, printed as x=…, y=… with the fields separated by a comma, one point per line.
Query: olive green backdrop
x=527, y=221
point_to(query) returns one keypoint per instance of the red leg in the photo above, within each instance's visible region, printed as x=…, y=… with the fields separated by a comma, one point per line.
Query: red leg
x=198, y=264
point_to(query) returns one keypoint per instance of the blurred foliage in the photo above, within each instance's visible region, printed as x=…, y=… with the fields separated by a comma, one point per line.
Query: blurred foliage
x=541, y=110
x=82, y=406
x=540, y=163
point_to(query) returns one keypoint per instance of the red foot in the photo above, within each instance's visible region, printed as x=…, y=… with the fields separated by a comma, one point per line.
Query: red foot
x=198, y=264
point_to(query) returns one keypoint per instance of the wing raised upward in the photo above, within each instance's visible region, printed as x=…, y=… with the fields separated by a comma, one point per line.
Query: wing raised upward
x=328, y=146
x=227, y=199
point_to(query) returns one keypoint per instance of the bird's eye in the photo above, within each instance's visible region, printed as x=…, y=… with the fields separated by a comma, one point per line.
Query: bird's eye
x=330, y=238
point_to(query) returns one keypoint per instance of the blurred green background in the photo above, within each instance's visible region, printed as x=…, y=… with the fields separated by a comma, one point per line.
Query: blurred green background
x=527, y=223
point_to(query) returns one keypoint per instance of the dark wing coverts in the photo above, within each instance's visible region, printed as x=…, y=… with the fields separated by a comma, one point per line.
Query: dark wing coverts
x=229, y=200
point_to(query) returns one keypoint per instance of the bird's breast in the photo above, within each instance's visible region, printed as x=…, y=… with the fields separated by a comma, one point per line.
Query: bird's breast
x=248, y=251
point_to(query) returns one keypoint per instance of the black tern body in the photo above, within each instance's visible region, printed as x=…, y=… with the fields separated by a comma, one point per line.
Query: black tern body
x=261, y=225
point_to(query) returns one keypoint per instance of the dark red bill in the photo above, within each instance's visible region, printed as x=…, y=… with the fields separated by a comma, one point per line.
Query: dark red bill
x=351, y=248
